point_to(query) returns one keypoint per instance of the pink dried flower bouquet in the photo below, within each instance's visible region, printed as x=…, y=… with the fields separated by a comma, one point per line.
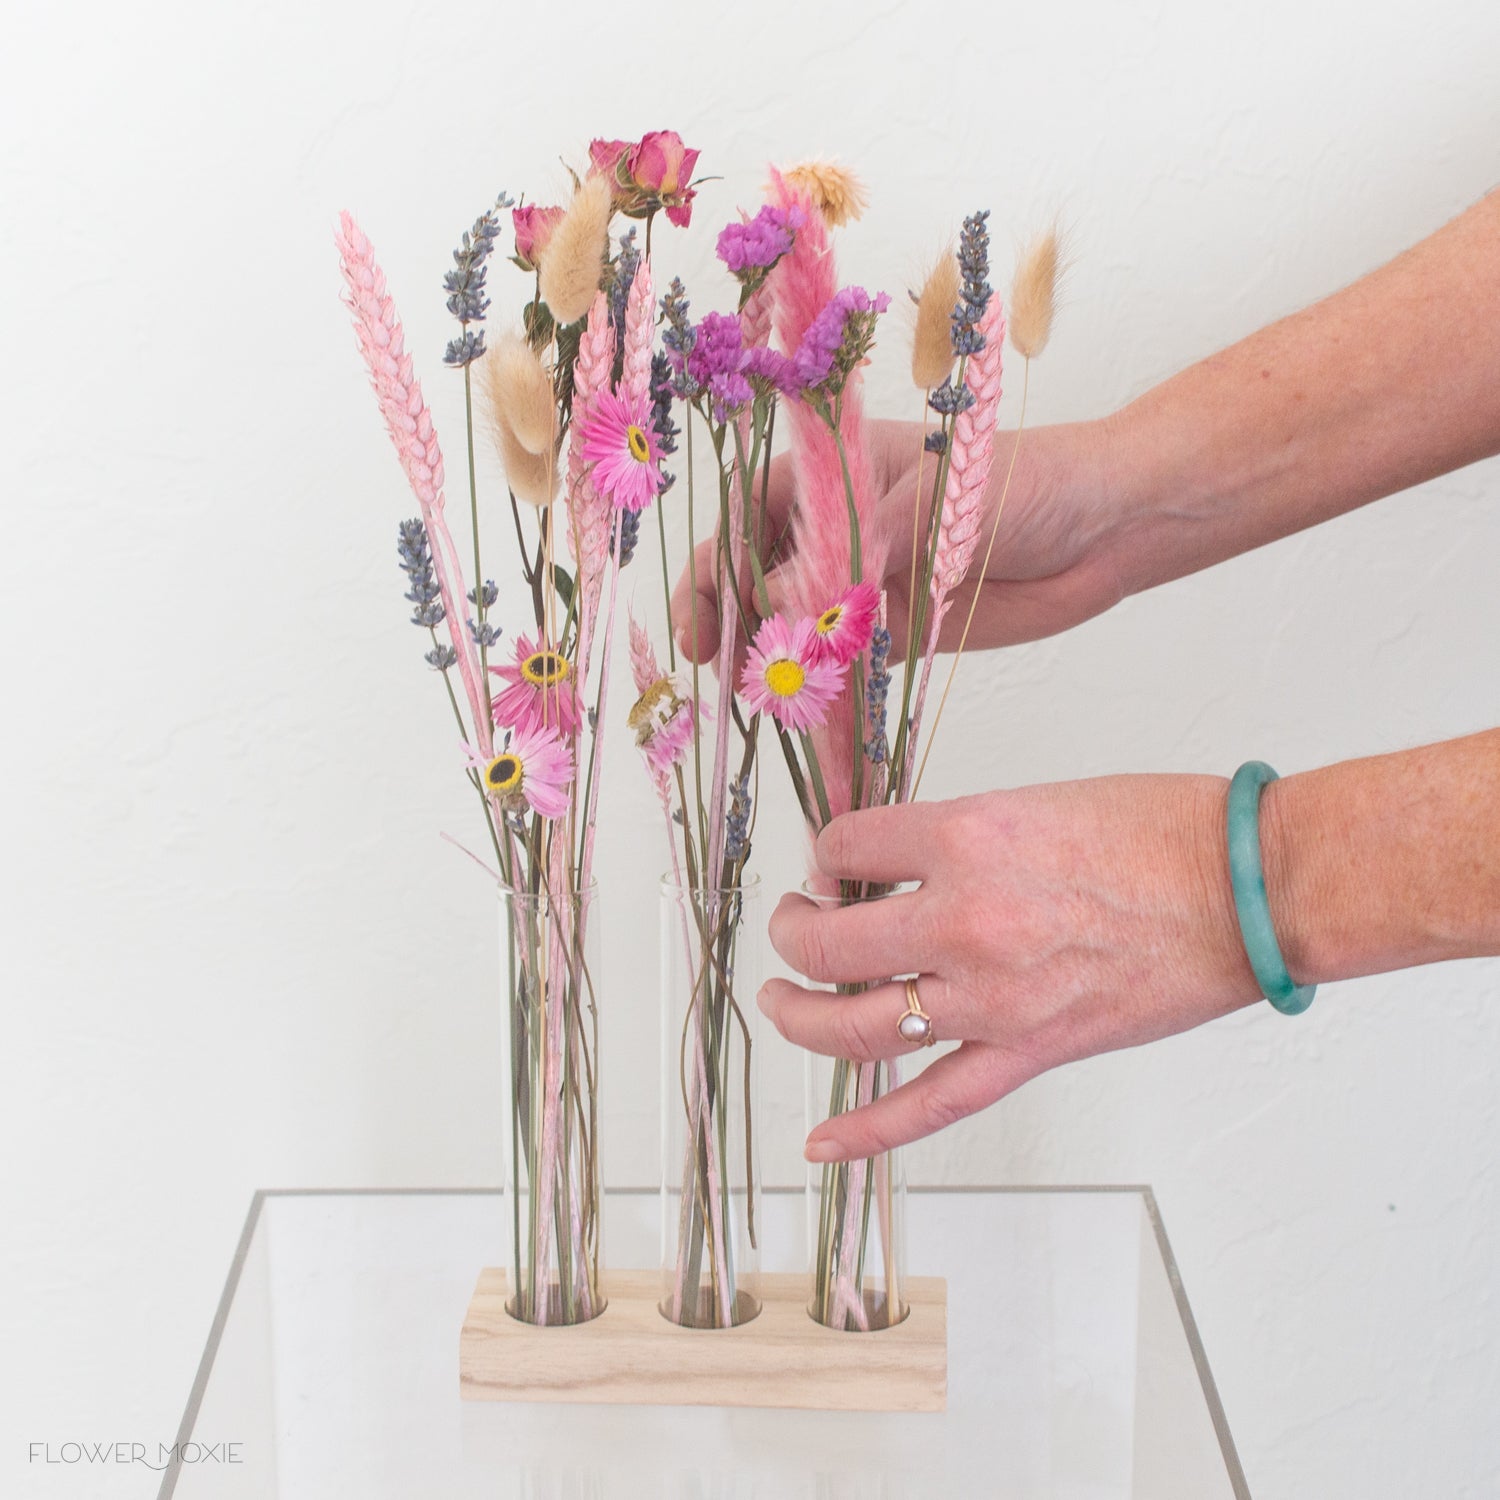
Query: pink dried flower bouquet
x=568, y=402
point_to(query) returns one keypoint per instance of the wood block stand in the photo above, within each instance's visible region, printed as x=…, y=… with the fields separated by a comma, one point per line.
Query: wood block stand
x=631, y=1354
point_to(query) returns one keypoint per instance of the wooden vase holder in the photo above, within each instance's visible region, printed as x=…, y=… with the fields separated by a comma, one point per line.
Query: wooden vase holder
x=632, y=1354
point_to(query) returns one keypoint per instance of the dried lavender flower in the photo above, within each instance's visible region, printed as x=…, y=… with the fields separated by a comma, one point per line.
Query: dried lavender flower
x=737, y=820
x=464, y=284
x=975, y=290
x=415, y=552
x=441, y=657
x=877, y=690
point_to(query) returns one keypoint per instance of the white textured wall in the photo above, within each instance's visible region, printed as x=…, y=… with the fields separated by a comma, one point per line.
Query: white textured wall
x=234, y=952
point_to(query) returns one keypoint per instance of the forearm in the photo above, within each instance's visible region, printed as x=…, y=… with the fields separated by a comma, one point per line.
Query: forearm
x=1390, y=382
x=1383, y=863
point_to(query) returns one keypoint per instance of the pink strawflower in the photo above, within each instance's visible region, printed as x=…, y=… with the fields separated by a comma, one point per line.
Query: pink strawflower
x=543, y=691
x=533, y=228
x=663, y=721
x=619, y=441
x=784, y=675
x=533, y=770
x=843, y=630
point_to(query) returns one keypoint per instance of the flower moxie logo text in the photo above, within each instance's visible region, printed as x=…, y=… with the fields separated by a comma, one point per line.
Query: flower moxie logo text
x=152, y=1455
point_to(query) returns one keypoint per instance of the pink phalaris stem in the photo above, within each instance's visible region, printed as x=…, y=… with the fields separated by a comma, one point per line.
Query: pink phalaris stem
x=409, y=422
x=963, y=498
x=821, y=567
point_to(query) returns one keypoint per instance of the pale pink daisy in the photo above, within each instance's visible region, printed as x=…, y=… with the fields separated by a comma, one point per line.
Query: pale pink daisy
x=618, y=440
x=543, y=691
x=843, y=629
x=784, y=674
x=534, y=770
x=662, y=721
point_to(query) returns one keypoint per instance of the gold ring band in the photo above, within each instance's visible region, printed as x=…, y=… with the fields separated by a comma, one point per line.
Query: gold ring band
x=915, y=1024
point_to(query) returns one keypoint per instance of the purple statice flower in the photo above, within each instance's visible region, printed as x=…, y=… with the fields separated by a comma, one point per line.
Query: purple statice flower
x=714, y=363
x=769, y=370
x=838, y=339
x=751, y=248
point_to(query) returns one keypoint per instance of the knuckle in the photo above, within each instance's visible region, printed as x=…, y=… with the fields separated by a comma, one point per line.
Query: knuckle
x=812, y=951
x=937, y=1109
x=833, y=846
x=850, y=1033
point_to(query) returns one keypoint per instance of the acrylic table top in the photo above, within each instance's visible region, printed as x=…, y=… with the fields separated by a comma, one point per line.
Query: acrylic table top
x=1075, y=1371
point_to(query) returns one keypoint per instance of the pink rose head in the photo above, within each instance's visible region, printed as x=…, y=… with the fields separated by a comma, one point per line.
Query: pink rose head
x=660, y=163
x=533, y=228
x=843, y=630
x=784, y=676
x=650, y=174
x=605, y=156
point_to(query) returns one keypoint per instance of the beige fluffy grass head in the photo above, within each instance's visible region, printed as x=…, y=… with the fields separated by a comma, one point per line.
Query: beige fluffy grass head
x=521, y=391
x=532, y=476
x=835, y=191
x=1033, y=293
x=574, y=258
x=932, y=343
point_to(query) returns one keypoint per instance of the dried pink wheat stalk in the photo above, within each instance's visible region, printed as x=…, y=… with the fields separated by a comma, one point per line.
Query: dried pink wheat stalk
x=409, y=422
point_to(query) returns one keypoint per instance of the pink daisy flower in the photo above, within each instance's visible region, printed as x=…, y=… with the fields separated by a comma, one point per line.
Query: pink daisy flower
x=662, y=721
x=619, y=442
x=534, y=770
x=843, y=630
x=543, y=692
x=784, y=674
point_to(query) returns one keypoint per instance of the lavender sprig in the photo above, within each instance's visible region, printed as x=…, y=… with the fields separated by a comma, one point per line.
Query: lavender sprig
x=465, y=284
x=415, y=552
x=877, y=690
x=737, y=820
x=974, y=295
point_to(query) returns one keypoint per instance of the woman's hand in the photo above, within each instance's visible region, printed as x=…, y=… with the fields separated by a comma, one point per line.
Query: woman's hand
x=1051, y=923
x=1057, y=561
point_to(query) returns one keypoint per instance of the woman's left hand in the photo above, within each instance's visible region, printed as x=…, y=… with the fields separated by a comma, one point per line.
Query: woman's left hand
x=1051, y=923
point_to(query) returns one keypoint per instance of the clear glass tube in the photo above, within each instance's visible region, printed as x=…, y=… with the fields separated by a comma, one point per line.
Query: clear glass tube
x=710, y=1187
x=856, y=1210
x=551, y=1137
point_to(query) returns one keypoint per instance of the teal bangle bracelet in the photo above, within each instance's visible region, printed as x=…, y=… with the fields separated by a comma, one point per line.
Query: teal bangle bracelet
x=1248, y=877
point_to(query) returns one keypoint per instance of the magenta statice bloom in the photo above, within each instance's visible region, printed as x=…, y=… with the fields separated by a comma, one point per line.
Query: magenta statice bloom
x=758, y=243
x=769, y=369
x=784, y=676
x=839, y=337
x=543, y=691
x=843, y=630
x=620, y=442
x=714, y=363
x=533, y=771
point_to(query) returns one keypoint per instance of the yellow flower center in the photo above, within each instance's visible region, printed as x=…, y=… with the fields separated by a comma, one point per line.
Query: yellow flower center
x=828, y=621
x=546, y=668
x=640, y=449
x=505, y=773
x=785, y=678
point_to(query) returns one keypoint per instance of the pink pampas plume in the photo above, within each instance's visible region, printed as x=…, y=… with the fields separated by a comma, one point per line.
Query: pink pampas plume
x=963, y=498
x=409, y=423
x=801, y=286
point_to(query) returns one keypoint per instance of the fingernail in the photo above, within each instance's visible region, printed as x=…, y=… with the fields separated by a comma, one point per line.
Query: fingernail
x=762, y=1001
x=821, y=1151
